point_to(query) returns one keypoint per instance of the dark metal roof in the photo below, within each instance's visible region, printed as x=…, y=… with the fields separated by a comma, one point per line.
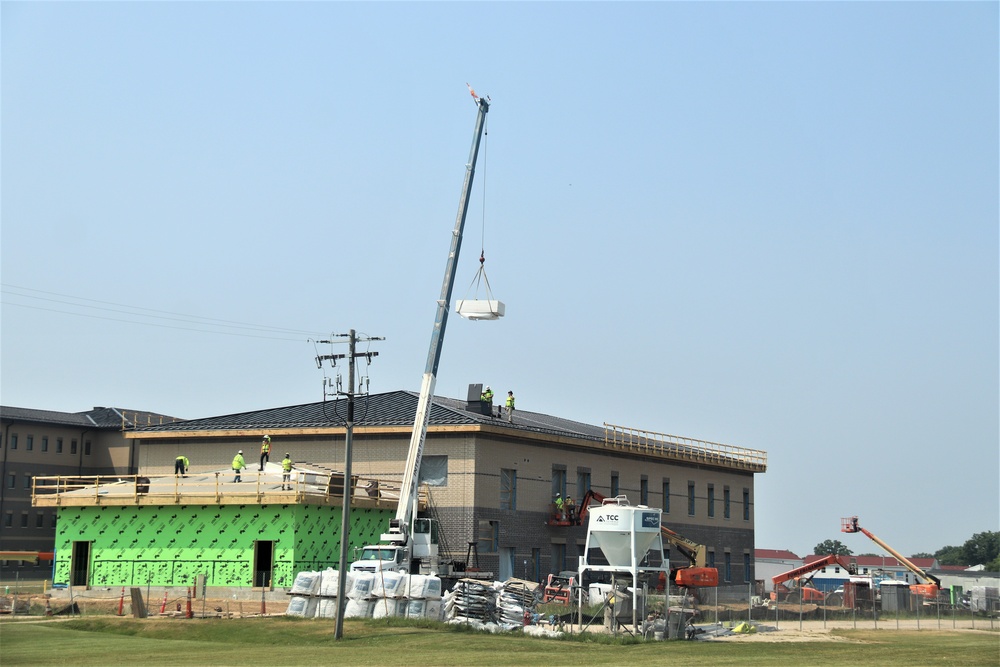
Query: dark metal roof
x=396, y=408
x=103, y=418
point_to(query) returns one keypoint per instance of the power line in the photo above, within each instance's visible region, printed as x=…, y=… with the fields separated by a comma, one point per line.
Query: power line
x=200, y=322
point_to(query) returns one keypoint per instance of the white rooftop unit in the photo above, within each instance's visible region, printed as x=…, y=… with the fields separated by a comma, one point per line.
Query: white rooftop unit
x=480, y=309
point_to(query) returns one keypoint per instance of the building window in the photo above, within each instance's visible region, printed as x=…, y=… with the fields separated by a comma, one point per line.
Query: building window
x=746, y=568
x=12, y=480
x=710, y=558
x=690, y=498
x=86, y=450
x=508, y=489
x=644, y=490
x=39, y=520
x=489, y=536
x=72, y=446
x=12, y=439
x=53, y=522
x=711, y=500
x=27, y=482
x=58, y=445
x=24, y=519
x=729, y=566
x=746, y=504
x=582, y=483
x=558, y=482
x=433, y=469
x=29, y=443
x=666, y=496
x=614, y=485
x=45, y=443
x=8, y=520
x=725, y=502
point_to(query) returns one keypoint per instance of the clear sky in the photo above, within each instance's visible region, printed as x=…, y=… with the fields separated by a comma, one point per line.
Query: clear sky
x=772, y=225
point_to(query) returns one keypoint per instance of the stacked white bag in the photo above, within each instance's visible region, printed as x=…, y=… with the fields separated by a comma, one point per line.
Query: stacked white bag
x=360, y=602
x=424, y=595
x=303, y=603
x=368, y=595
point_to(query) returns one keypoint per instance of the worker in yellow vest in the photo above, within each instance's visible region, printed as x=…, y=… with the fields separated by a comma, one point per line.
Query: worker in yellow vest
x=510, y=406
x=265, y=451
x=181, y=464
x=286, y=472
x=238, y=465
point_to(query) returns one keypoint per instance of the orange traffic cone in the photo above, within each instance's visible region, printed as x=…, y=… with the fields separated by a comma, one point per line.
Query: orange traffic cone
x=163, y=607
x=121, y=603
x=189, y=613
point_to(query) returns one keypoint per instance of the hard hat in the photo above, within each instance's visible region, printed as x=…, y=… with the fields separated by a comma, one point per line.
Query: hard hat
x=487, y=387
x=287, y=455
x=267, y=437
x=240, y=452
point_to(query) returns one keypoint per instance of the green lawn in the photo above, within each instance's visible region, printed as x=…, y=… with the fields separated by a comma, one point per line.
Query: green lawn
x=286, y=641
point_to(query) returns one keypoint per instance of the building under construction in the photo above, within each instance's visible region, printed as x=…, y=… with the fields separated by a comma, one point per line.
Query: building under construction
x=489, y=483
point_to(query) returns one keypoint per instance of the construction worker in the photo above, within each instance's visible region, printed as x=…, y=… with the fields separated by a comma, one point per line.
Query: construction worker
x=570, y=509
x=181, y=464
x=559, y=506
x=265, y=451
x=238, y=465
x=286, y=472
x=510, y=406
x=487, y=399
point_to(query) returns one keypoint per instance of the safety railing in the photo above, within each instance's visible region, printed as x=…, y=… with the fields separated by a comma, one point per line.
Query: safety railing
x=679, y=447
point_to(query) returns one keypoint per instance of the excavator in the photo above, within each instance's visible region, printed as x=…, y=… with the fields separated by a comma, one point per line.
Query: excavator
x=928, y=591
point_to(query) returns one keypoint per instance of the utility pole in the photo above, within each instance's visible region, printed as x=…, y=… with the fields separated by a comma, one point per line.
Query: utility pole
x=348, y=490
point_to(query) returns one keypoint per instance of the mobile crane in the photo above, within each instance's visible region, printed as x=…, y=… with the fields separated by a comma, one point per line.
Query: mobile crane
x=411, y=541
x=928, y=591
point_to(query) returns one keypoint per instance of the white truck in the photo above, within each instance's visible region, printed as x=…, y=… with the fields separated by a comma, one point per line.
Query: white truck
x=411, y=544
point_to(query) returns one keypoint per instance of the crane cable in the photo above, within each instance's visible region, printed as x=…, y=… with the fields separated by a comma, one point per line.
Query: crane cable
x=481, y=273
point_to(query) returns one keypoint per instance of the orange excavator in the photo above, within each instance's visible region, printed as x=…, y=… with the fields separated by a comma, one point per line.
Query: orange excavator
x=928, y=591
x=695, y=574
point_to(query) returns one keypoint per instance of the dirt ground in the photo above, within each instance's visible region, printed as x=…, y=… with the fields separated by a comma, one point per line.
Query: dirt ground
x=814, y=631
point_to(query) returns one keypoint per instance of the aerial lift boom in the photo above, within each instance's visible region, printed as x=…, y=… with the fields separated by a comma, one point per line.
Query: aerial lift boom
x=927, y=590
x=399, y=535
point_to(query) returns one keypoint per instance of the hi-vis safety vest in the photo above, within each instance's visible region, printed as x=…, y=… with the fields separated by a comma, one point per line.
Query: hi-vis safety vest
x=238, y=462
x=286, y=465
x=265, y=447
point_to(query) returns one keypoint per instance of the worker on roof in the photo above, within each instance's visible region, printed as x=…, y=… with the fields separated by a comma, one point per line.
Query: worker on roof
x=486, y=398
x=286, y=472
x=238, y=465
x=181, y=464
x=510, y=406
x=265, y=451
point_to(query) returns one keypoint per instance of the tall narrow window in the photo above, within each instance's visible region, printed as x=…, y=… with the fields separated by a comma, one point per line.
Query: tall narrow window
x=489, y=536
x=72, y=446
x=59, y=445
x=614, y=485
x=86, y=449
x=729, y=566
x=710, y=558
x=508, y=489
x=711, y=500
x=558, y=482
x=690, y=498
x=666, y=496
x=582, y=483
x=13, y=440
x=45, y=443
x=558, y=557
x=746, y=504
x=746, y=568
x=29, y=443
x=644, y=490
x=725, y=502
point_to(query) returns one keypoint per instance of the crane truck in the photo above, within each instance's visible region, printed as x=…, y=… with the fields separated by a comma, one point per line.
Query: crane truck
x=411, y=544
x=928, y=591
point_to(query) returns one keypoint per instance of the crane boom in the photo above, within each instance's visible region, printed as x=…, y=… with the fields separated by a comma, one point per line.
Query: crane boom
x=851, y=525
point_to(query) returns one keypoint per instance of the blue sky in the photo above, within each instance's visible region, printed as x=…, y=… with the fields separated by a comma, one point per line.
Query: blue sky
x=772, y=225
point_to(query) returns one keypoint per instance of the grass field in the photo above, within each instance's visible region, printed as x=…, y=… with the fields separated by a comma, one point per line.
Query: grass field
x=288, y=641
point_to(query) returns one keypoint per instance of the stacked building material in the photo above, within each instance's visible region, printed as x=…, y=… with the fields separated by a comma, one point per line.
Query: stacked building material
x=517, y=602
x=472, y=600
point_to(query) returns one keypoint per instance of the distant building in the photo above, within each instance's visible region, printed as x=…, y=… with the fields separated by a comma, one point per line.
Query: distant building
x=772, y=562
x=831, y=577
